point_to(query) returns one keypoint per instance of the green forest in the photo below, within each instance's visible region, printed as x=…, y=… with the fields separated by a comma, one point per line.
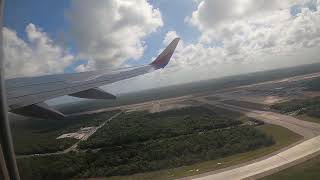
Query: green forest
x=143, y=126
x=310, y=107
x=142, y=142
x=313, y=85
x=37, y=136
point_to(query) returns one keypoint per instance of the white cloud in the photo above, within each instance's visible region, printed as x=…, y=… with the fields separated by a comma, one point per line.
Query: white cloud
x=190, y=62
x=254, y=40
x=110, y=32
x=38, y=55
x=171, y=35
x=237, y=36
x=260, y=27
x=212, y=13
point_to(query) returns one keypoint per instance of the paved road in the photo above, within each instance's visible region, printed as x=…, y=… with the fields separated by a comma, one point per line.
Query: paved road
x=302, y=151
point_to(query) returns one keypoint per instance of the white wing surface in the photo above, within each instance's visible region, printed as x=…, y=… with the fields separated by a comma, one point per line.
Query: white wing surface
x=26, y=95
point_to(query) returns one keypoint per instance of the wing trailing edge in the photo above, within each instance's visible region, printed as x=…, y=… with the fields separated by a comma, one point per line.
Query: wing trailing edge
x=94, y=93
x=39, y=110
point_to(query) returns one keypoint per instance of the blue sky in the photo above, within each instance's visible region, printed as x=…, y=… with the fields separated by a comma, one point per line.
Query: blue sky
x=51, y=17
x=47, y=14
x=219, y=38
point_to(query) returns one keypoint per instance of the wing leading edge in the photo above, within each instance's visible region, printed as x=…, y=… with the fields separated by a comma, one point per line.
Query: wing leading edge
x=26, y=96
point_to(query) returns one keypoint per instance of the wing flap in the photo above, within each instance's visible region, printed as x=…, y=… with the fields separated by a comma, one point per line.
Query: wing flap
x=39, y=110
x=94, y=93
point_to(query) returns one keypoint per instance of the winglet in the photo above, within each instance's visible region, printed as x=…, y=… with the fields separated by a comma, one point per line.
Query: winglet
x=164, y=58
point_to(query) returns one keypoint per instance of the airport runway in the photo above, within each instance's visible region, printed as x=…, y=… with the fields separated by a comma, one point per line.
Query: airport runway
x=310, y=131
x=289, y=157
x=271, y=163
x=303, y=128
x=266, y=166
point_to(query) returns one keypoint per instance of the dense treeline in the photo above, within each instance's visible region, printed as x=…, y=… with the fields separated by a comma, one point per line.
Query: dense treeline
x=190, y=88
x=289, y=106
x=33, y=136
x=313, y=85
x=139, y=127
x=311, y=107
x=140, y=142
x=31, y=143
x=146, y=156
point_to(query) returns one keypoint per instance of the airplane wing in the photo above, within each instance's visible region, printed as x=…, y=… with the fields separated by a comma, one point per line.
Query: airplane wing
x=26, y=95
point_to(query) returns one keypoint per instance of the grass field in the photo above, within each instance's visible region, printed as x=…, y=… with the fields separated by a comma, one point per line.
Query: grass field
x=282, y=136
x=305, y=117
x=309, y=170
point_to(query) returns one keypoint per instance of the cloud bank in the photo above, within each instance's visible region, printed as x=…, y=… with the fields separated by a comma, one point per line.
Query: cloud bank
x=236, y=36
x=240, y=36
x=37, y=55
x=108, y=33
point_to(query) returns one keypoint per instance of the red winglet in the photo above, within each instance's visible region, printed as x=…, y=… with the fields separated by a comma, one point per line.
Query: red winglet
x=164, y=58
